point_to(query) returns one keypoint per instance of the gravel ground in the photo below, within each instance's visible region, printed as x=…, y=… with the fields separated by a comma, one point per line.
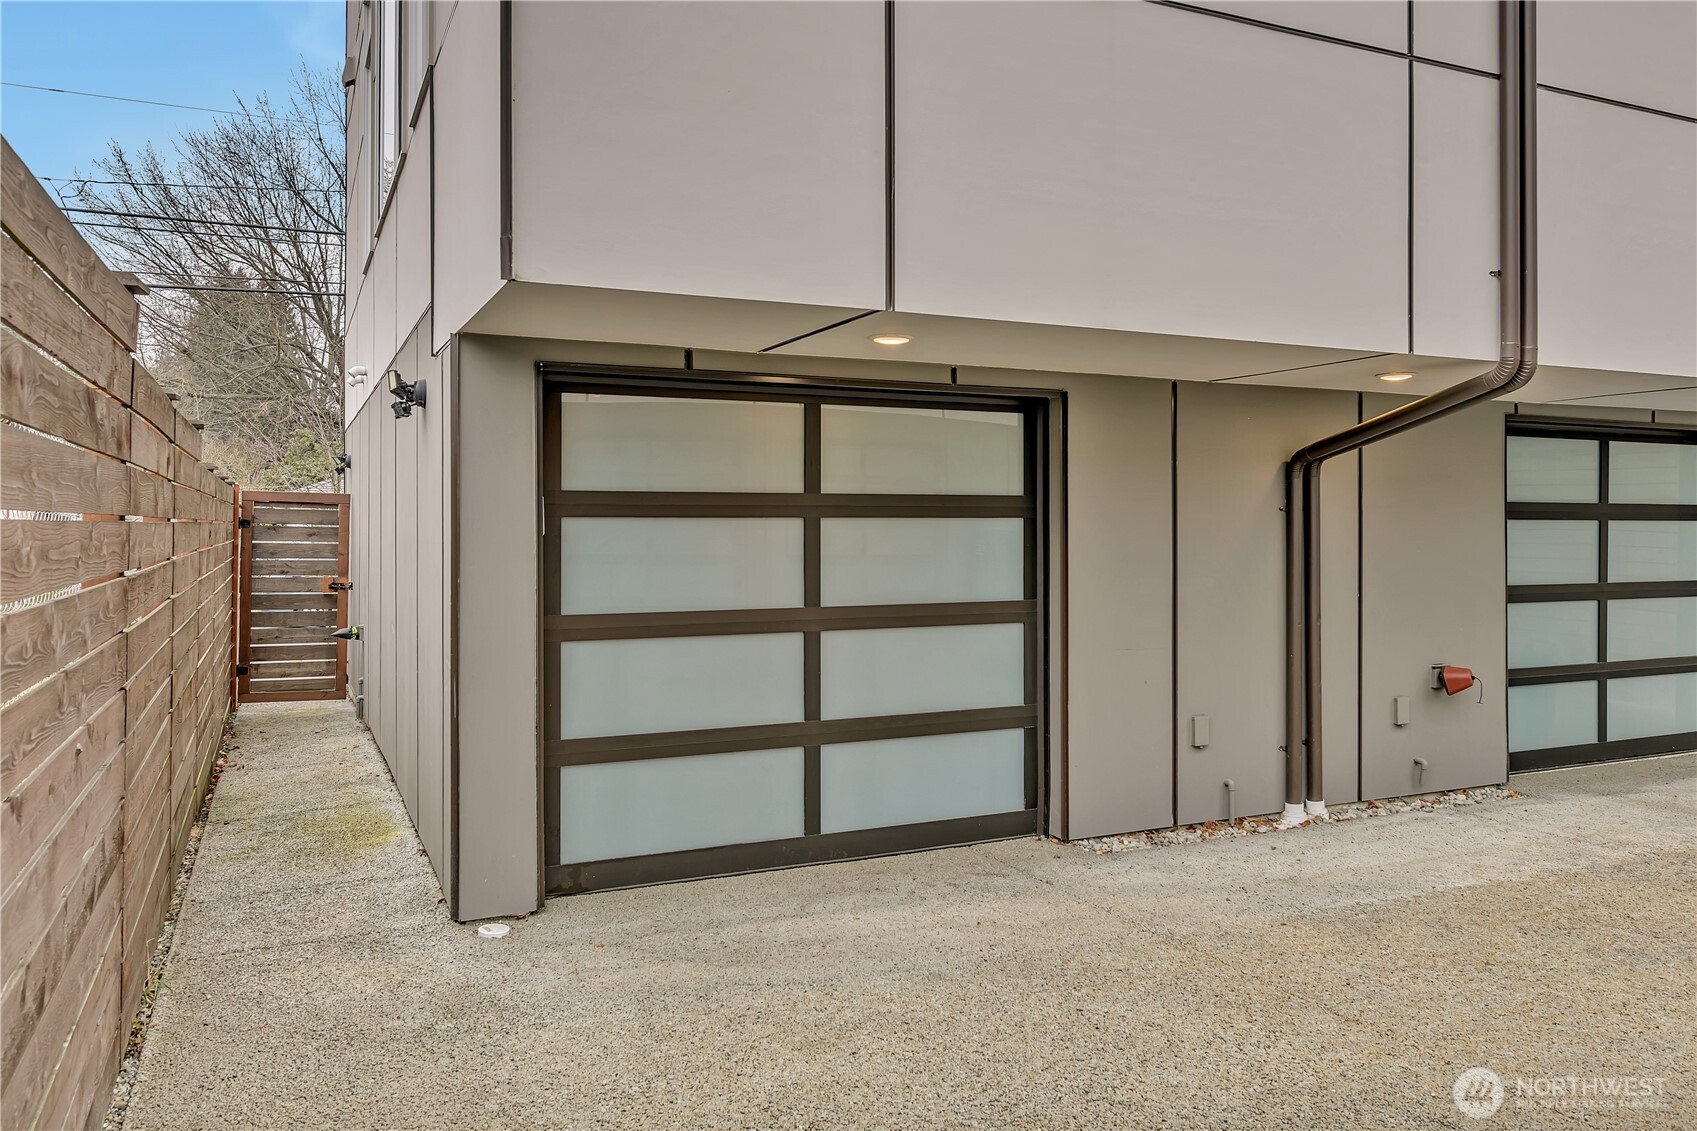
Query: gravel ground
x=1337, y=976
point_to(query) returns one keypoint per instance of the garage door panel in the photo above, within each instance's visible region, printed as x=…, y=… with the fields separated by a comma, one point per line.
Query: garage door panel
x=619, y=809
x=903, y=781
x=875, y=449
x=679, y=683
x=639, y=565
x=899, y=561
x=611, y=442
x=900, y=671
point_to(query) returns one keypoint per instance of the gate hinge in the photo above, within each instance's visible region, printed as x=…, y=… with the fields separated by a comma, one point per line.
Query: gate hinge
x=241, y=669
x=244, y=523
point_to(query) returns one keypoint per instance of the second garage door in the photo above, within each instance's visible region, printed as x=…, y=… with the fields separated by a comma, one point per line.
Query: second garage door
x=784, y=627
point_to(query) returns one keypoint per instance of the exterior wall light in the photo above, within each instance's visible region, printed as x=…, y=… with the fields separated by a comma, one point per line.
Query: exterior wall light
x=891, y=339
x=1394, y=376
x=407, y=397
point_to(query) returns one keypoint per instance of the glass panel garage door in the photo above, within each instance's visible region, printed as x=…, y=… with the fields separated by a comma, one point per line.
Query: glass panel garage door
x=782, y=628
x=1602, y=590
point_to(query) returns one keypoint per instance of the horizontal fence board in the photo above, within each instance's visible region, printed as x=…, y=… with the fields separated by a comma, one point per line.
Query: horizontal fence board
x=279, y=618
x=39, y=474
x=149, y=589
x=266, y=535
x=36, y=308
x=39, y=557
x=275, y=516
x=37, y=392
x=278, y=686
x=295, y=635
x=294, y=567
x=186, y=433
x=38, y=641
x=151, y=496
x=150, y=543
x=149, y=447
x=151, y=403
x=36, y=223
x=265, y=552
x=261, y=602
x=260, y=669
x=308, y=588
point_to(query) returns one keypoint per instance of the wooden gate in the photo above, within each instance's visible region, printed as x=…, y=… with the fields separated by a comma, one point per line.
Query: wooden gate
x=294, y=594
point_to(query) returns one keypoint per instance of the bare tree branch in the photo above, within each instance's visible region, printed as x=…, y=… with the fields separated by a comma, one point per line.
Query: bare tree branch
x=263, y=371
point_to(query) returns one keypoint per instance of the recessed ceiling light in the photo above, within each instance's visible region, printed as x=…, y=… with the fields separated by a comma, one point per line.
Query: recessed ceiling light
x=1394, y=376
x=891, y=339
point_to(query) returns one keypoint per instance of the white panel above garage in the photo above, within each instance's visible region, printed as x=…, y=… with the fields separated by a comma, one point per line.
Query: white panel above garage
x=726, y=149
x=1617, y=237
x=1455, y=214
x=1136, y=167
x=1643, y=52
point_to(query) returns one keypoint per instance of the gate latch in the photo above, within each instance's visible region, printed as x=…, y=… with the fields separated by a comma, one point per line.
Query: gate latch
x=244, y=523
x=337, y=585
x=241, y=669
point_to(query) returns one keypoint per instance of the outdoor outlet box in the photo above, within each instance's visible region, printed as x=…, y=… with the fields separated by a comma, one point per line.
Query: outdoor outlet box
x=1399, y=711
x=1199, y=731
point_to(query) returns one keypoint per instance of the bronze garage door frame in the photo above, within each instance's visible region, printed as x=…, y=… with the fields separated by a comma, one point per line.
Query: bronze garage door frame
x=812, y=618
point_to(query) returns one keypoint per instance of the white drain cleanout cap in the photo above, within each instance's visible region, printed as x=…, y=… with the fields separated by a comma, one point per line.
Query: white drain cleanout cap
x=494, y=931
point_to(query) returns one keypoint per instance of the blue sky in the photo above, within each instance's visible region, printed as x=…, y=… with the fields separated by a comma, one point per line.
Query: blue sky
x=202, y=54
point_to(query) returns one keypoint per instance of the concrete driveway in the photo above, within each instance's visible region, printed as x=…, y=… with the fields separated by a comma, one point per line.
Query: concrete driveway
x=1335, y=977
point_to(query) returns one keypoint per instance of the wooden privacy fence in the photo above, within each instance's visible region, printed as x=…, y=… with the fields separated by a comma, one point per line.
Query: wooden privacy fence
x=116, y=628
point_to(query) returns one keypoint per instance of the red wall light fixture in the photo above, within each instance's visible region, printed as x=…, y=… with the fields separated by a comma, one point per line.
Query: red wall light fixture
x=1452, y=679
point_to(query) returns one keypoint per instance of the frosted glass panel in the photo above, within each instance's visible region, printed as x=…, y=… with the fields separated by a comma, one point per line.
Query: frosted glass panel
x=623, y=809
x=923, y=451
x=618, y=443
x=898, y=671
x=899, y=781
x=1542, y=716
x=892, y=561
x=678, y=683
x=1652, y=551
x=1544, y=635
x=1652, y=628
x=1652, y=704
x=1551, y=553
x=1542, y=470
x=634, y=565
x=1653, y=473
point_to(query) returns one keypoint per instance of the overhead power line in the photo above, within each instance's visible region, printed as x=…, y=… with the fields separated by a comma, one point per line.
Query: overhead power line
x=245, y=290
x=195, y=220
x=189, y=185
x=175, y=231
x=167, y=105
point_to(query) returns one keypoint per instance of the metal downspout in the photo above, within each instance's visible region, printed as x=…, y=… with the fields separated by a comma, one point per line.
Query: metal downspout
x=1517, y=312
